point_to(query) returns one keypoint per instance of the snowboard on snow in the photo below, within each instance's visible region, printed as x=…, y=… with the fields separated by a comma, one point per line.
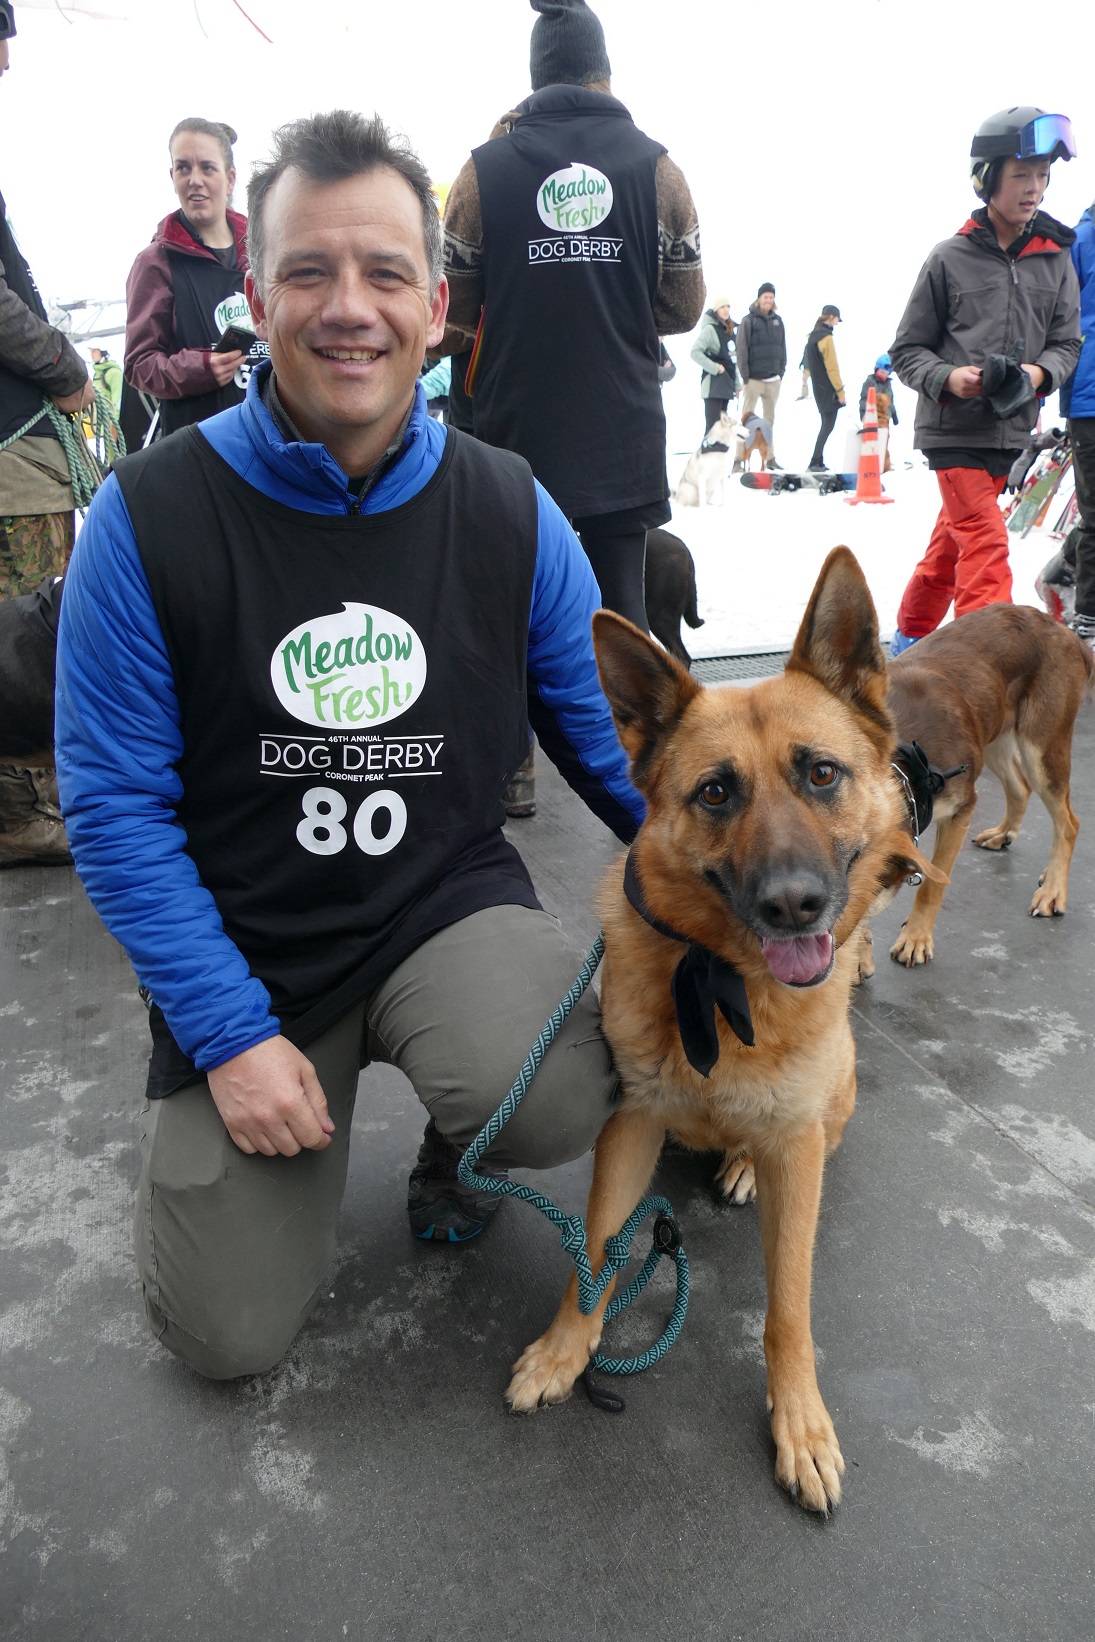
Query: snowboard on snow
x=827, y=483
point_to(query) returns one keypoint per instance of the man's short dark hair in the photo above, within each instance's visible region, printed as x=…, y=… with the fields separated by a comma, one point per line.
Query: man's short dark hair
x=326, y=148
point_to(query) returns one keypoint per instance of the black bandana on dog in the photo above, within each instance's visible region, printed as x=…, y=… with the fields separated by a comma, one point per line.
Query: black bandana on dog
x=700, y=981
x=921, y=782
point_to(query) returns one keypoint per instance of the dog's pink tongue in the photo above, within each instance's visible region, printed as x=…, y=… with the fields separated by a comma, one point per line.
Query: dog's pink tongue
x=800, y=959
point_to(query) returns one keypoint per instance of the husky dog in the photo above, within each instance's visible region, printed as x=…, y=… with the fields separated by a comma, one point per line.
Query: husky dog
x=705, y=474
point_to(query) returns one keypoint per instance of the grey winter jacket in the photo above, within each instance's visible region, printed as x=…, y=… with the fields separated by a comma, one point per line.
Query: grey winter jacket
x=971, y=299
x=714, y=345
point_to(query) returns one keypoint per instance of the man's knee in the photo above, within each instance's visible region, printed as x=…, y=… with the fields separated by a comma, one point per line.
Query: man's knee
x=227, y=1348
x=568, y=1103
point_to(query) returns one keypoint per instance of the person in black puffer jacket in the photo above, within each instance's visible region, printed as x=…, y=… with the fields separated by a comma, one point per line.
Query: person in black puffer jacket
x=762, y=357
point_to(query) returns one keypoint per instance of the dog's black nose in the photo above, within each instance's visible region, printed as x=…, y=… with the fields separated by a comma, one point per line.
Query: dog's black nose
x=792, y=902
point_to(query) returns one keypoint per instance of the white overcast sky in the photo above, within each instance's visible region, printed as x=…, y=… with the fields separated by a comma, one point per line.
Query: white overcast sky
x=826, y=144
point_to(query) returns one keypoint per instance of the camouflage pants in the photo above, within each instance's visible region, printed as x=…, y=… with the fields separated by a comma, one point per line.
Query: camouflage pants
x=33, y=546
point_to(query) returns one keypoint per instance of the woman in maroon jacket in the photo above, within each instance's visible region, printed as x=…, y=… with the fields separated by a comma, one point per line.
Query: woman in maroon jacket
x=187, y=286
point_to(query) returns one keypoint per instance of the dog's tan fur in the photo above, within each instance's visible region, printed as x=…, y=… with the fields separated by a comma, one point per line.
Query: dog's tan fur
x=1002, y=687
x=785, y=1100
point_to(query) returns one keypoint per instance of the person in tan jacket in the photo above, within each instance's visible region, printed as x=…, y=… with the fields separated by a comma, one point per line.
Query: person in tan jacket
x=825, y=377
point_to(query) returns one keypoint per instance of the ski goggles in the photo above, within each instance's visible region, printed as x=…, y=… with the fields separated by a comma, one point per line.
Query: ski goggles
x=1047, y=136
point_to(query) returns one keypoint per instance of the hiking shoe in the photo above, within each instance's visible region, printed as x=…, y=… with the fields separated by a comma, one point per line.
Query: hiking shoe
x=817, y=467
x=773, y=466
x=438, y=1206
x=39, y=842
x=900, y=642
x=1084, y=628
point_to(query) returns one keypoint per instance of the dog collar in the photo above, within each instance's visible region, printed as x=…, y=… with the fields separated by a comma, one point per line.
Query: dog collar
x=921, y=783
x=713, y=444
x=700, y=981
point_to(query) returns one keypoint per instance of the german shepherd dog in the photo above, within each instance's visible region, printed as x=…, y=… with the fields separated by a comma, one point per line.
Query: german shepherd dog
x=1002, y=687
x=774, y=821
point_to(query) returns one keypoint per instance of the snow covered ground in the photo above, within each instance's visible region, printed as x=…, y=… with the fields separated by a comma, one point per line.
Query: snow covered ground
x=758, y=556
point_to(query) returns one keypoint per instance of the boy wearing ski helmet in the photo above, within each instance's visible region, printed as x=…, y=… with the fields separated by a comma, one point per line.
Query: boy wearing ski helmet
x=880, y=381
x=993, y=322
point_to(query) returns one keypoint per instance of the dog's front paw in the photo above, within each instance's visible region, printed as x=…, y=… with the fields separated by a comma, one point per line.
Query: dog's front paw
x=911, y=949
x=864, y=967
x=809, y=1463
x=546, y=1371
x=735, y=1179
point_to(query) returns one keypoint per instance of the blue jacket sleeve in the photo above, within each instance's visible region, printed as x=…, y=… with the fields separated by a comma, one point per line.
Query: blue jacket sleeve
x=118, y=744
x=567, y=707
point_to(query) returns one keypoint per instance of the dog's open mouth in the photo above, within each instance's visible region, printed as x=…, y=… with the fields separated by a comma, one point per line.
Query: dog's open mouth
x=800, y=960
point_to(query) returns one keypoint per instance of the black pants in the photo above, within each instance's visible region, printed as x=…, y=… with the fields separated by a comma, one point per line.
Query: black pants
x=619, y=564
x=828, y=423
x=712, y=410
x=1081, y=432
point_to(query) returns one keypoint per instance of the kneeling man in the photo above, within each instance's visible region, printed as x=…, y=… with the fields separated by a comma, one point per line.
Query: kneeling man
x=291, y=688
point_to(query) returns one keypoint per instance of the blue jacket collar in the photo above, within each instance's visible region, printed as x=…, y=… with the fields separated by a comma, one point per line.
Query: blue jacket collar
x=312, y=471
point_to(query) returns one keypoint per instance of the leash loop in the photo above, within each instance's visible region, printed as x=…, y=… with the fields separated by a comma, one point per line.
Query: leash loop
x=666, y=1242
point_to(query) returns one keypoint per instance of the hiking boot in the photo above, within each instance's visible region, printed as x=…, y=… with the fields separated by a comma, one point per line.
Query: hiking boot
x=1084, y=628
x=32, y=832
x=773, y=466
x=438, y=1206
x=519, y=796
x=817, y=467
x=39, y=842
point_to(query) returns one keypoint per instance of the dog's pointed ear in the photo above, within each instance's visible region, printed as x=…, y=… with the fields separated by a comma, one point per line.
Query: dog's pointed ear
x=646, y=688
x=837, y=642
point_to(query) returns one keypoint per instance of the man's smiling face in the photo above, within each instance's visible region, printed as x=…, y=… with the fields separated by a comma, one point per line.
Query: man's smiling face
x=346, y=307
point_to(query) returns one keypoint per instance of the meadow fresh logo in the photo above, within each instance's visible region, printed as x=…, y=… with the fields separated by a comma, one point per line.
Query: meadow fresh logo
x=359, y=666
x=575, y=200
x=233, y=311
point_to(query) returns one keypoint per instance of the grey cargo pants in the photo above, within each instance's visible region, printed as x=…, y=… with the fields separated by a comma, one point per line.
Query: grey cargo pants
x=232, y=1249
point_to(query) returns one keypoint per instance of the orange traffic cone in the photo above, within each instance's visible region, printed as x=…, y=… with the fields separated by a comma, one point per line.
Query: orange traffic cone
x=868, y=484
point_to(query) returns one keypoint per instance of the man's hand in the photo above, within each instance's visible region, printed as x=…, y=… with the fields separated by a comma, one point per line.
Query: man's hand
x=73, y=403
x=224, y=366
x=271, y=1100
x=1037, y=376
x=720, y=370
x=964, y=382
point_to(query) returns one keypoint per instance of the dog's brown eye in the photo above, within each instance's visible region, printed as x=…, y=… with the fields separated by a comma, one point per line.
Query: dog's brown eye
x=713, y=793
x=823, y=775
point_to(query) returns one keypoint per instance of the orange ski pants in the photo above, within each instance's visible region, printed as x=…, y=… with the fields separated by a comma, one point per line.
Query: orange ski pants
x=967, y=556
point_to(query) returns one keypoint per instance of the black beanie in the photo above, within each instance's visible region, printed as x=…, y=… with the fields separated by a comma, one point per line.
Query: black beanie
x=767, y=286
x=568, y=45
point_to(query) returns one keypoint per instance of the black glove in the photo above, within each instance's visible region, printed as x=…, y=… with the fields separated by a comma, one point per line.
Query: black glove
x=1004, y=383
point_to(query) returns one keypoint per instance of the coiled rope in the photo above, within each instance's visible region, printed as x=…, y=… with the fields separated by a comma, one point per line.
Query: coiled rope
x=572, y=1229
x=87, y=468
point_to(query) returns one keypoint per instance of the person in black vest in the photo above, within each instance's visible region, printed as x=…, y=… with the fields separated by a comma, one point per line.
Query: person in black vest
x=186, y=288
x=286, y=713
x=571, y=245
x=36, y=507
x=820, y=357
x=762, y=357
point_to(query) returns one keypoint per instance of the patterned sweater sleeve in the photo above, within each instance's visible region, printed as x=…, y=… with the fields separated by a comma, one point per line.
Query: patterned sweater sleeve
x=679, y=300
